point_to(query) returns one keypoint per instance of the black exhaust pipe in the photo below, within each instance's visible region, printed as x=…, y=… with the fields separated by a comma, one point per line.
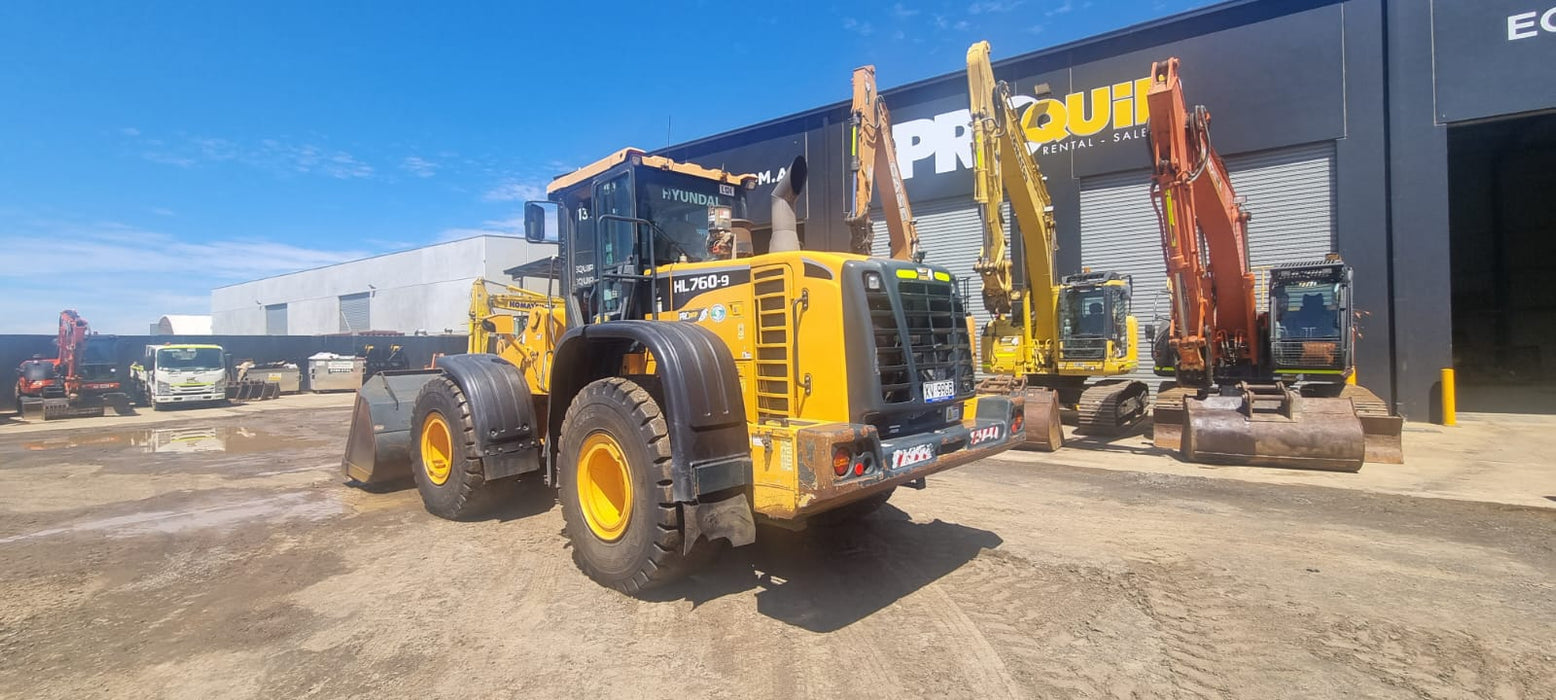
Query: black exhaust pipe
x=786, y=232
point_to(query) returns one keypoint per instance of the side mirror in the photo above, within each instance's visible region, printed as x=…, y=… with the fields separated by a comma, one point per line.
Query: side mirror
x=541, y=222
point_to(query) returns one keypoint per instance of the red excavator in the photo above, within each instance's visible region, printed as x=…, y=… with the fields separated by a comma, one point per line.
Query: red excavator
x=67, y=386
x=1271, y=388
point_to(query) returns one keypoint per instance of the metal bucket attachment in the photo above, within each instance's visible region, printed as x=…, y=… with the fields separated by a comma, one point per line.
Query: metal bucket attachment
x=1167, y=417
x=378, y=448
x=1382, y=434
x=1382, y=429
x=1302, y=433
x=1044, y=431
x=30, y=408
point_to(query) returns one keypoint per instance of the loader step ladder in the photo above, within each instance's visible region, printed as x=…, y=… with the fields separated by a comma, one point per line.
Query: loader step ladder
x=774, y=329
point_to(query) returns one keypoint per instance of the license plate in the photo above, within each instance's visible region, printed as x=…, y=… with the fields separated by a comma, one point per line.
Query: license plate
x=939, y=391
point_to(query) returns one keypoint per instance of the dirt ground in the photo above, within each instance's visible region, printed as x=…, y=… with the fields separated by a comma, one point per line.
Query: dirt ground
x=224, y=557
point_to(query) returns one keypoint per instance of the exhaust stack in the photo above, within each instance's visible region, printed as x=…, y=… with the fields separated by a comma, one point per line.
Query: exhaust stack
x=786, y=233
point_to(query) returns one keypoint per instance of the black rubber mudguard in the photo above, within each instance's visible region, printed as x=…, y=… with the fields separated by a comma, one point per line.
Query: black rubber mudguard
x=502, y=410
x=703, y=402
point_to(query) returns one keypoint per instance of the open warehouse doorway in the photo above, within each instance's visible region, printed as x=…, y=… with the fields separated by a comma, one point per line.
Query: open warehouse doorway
x=1502, y=189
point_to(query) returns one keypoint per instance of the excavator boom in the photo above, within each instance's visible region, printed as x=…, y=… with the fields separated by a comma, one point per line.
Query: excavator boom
x=1212, y=288
x=872, y=150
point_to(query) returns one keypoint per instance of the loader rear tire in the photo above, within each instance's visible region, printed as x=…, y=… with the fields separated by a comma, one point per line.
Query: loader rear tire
x=445, y=461
x=616, y=488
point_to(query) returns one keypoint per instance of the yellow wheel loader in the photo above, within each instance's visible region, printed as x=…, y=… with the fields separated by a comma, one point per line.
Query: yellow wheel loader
x=680, y=386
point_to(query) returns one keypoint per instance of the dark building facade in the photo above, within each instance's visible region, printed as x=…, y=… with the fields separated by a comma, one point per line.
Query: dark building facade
x=1416, y=138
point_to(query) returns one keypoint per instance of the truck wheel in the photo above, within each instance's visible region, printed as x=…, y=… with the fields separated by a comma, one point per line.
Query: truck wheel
x=444, y=460
x=854, y=511
x=614, y=468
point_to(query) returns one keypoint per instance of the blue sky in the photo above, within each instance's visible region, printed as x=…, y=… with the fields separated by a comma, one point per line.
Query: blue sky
x=150, y=151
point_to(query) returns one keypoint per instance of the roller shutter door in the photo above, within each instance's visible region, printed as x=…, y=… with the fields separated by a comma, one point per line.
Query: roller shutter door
x=950, y=235
x=354, y=313
x=275, y=319
x=1289, y=192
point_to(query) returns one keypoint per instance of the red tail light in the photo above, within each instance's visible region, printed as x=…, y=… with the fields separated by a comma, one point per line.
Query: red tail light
x=1017, y=421
x=840, y=461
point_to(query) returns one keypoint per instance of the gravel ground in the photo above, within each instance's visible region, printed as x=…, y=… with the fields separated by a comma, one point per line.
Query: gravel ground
x=149, y=563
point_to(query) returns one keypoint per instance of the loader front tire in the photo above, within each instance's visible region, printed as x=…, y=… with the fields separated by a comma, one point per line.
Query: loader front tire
x=616, y=488
x=445, y=461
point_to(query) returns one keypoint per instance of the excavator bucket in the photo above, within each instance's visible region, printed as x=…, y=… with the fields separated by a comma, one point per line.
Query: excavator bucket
x=378, y=449
x=1041, y=415
x=1303, y=433
x=1167, y=417
x=1044, y=432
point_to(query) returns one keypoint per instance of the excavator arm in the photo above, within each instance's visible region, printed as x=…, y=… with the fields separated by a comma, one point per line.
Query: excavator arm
x=1204, y=236
x=72, y=344
x=871, y=149
x=1003, y=165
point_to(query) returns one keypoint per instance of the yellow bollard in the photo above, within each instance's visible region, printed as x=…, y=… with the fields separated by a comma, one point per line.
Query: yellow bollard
x=1450, y=412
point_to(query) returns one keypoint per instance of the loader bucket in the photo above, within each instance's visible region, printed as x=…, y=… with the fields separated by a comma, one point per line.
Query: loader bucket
x=1310, y=433
x=378, y=450
x=1044, y=431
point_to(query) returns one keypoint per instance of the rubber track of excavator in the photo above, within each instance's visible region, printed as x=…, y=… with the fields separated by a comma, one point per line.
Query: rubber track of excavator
x=1097, y=412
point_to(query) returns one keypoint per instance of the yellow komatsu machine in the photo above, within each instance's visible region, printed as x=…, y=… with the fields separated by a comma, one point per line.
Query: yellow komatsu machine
x=1046, y=340
x=679, y=386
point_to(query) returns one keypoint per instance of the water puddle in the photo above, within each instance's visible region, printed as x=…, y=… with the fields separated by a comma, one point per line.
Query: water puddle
x=169, y=440
x=283, y=507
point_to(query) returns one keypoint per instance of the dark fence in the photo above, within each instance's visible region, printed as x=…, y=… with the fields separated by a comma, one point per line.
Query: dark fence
x=127, y=349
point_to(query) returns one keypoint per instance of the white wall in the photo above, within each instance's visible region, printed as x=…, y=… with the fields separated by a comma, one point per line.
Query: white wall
x=426, y=289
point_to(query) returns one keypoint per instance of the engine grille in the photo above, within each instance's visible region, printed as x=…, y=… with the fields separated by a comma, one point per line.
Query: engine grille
x=930, y=344
x=1083, y=348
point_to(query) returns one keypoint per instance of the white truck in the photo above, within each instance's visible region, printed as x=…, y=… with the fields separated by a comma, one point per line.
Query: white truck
x=181, y=374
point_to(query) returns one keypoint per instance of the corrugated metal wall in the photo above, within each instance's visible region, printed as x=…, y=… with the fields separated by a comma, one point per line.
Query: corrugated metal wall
x=1289, y=192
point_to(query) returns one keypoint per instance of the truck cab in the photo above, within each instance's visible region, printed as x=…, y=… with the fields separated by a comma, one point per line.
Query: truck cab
x=170, y=375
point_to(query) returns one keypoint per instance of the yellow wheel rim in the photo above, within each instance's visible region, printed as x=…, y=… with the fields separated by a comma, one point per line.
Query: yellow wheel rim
x=437, y=449
x=604, y=487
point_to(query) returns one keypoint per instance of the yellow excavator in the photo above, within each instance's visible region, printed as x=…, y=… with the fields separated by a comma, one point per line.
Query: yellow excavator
x=871, y=149
x=680, y=385
x=1046, y=340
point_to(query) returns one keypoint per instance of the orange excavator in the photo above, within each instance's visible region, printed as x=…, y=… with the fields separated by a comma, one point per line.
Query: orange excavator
x=872, y=149
x=1272, y=388
x=60, y=387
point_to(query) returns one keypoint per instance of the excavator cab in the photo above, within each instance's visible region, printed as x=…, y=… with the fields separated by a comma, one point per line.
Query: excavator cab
x=1310, y=321
x=1094, y=322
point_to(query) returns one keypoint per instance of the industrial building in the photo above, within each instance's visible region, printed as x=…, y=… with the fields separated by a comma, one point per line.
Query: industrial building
x=425, y=290
x=1416, y=139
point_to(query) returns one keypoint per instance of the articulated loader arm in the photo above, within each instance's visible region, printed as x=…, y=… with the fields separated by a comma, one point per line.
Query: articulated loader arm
x=1213, y=306
x=872, y=149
